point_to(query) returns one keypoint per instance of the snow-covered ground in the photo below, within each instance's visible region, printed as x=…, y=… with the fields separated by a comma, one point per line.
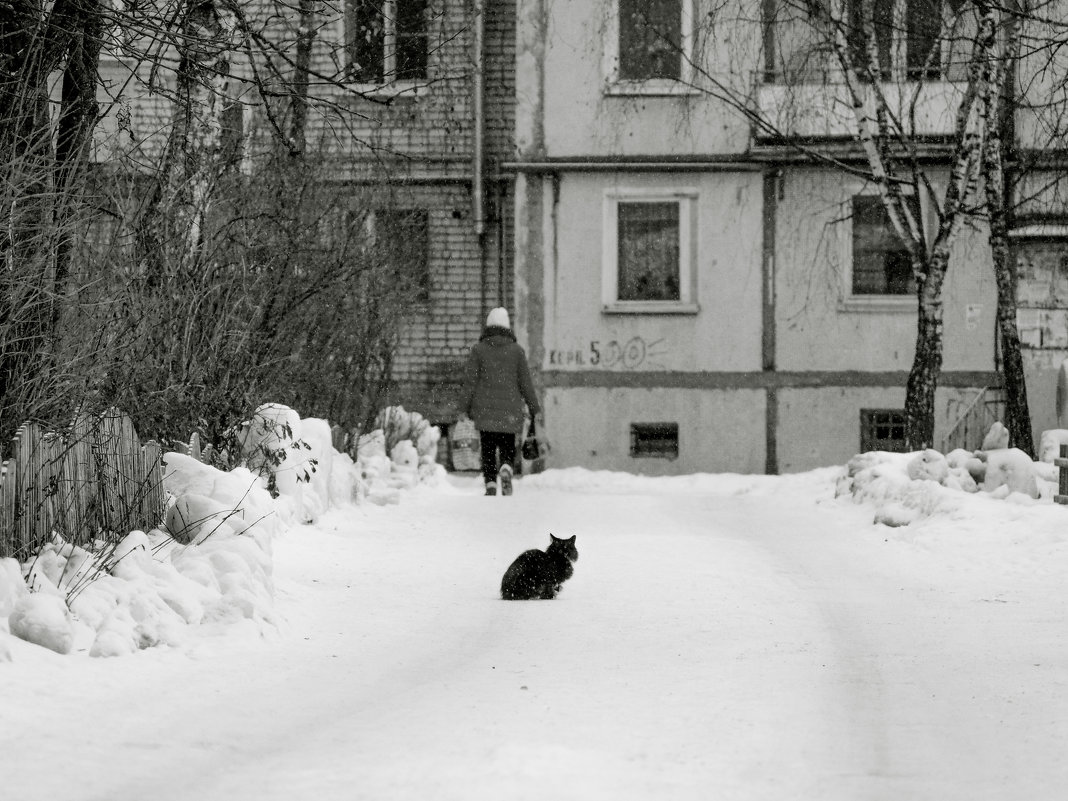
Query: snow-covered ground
x=727, y=637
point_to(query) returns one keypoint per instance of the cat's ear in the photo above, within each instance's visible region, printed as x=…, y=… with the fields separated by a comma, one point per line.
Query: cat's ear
x=554, y=538
x=571, y=539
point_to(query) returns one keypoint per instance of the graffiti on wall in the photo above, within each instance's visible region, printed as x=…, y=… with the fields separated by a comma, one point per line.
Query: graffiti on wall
x=634, y=353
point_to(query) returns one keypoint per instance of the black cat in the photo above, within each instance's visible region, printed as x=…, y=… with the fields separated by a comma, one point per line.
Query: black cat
x=539, y=574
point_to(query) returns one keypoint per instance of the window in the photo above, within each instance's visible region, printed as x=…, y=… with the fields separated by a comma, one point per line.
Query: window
x=386, y=40
x=649, y=253
x=913, y=49
x=649, y=46
x=883, y=23
x=881, y=263
x=1041, y=253
x=656, y=440
x=882, y=430
x=650, y=39
x=923, y=31
x=401, y=237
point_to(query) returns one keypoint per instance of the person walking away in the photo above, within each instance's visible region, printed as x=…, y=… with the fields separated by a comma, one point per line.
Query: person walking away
x=497, y=386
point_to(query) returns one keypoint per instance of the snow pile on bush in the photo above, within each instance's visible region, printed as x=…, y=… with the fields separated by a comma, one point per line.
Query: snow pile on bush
x=272, y=446
x=210, y=561
x=906, y=487
x=398, y=454
x=44, y=620
x=302, y=467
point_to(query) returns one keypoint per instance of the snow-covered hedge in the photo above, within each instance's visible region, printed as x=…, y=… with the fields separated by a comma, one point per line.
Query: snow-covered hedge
x=210, y=562
x=906, y=487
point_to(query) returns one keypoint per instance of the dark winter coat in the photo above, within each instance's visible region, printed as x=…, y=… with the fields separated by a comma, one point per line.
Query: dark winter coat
x=497, y=383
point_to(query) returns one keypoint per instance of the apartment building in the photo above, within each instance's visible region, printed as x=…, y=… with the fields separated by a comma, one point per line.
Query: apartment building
x=695, y=293
x=698, y=295
x=446, y=69
x=414, y=111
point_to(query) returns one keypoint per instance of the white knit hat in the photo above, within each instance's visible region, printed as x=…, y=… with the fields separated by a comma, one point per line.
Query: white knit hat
x=499, y=318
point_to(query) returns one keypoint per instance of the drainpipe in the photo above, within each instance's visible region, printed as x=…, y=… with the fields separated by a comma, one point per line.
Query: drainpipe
x=499, y=197
x=478, y=124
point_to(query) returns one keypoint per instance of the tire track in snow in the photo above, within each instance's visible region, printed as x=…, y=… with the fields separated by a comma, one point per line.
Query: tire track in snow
x=654, y=674
x=927, y=669
x=748, y=647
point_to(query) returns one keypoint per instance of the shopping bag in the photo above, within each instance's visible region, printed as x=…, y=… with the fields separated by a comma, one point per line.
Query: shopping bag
x=464, y=446
x=533, y=451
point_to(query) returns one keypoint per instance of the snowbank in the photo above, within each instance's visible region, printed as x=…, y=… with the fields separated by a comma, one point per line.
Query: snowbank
x=904, y=488
x=211, y=560
x=580, y=479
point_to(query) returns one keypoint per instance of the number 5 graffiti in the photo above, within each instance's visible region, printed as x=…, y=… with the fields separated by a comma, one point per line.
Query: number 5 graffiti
x=629, y=355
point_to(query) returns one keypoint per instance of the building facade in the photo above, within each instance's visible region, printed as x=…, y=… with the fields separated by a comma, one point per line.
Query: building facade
x=412, y=107
x=435, y=146
x=693, y=293
x=696, y=295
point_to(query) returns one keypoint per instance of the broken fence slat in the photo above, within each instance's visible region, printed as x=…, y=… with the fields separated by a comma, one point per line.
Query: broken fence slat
x=7, y=509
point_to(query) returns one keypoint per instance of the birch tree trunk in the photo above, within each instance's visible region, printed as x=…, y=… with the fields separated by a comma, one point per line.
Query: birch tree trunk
x=192, y=165
x=1017, y=409
x=77, y=118
x=301, y=65
x=876, y=127
x=171, y=232
x=972, y=130
x=999, y=204
x=927, y=361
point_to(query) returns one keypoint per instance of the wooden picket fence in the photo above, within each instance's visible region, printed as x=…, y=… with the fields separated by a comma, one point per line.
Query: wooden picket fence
x=93, y=481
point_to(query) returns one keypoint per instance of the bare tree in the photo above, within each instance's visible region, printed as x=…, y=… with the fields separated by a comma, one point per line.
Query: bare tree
x=187, y=280
x=1002, y=107
x=41, y=174
x=855, y=48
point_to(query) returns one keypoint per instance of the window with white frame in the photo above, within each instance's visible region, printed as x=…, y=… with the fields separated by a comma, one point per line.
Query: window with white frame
x=907, y=37
x=649, y=46
x=386, y=41
x=649, y=252
x=881, y=265
x=915, y=40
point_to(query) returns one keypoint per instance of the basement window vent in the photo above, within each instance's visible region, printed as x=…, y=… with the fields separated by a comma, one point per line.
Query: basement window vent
x=655, y=440
x=882, y=430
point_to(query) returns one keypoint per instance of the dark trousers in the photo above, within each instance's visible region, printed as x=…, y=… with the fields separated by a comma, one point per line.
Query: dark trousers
x=492, y=442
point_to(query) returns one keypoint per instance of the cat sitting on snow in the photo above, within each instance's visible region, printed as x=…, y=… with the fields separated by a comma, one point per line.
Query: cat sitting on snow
x=539, y=574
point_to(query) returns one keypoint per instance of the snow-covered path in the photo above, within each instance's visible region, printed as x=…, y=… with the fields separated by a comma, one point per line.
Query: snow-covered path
x=748, y=644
